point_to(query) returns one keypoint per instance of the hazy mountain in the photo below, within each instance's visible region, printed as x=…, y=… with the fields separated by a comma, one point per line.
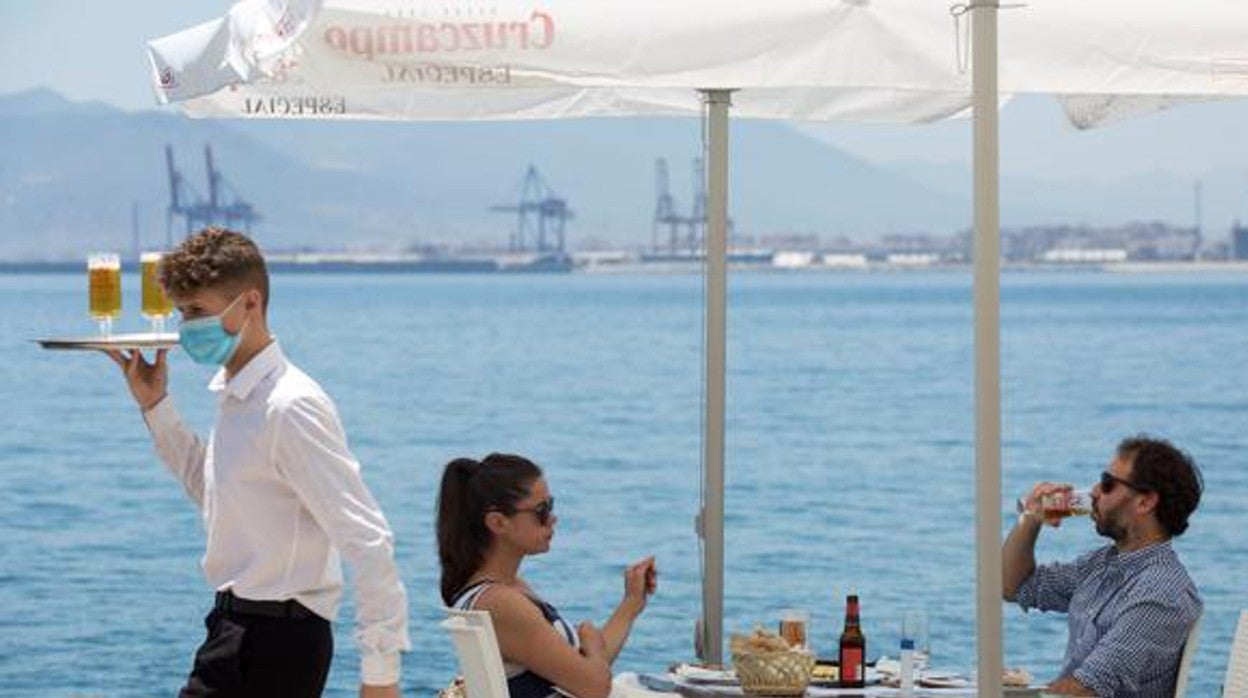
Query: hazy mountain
x=1143, y=196
x=70, y=172
x=1143, y=168
x=69, y=177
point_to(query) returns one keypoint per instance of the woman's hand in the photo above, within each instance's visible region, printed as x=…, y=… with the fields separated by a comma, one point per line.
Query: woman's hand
x=641, y=579
x=593, y=644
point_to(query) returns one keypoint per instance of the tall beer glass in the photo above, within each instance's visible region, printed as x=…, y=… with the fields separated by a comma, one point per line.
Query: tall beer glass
x=156, y=305
x=104, y=289
x=793, y=624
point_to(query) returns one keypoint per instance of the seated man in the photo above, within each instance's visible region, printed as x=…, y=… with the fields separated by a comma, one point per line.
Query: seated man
x=1132, y=603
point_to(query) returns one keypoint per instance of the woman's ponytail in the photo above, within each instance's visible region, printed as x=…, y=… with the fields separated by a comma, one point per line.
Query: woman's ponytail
x=469, y=490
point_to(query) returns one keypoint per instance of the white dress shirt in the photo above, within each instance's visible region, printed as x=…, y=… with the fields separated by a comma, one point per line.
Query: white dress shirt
x=281, y=497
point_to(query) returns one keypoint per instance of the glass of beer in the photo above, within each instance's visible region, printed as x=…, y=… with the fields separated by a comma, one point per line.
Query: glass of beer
x=793, y=627
x=104, y=289
x=1060, y=505
x=156, y=305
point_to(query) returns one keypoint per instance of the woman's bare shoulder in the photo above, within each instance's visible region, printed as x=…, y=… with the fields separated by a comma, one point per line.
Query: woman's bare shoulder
x=506, y=602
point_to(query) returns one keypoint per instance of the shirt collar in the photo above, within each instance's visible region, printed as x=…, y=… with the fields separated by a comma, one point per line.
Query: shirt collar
x=260, y=367
x=1136, y=560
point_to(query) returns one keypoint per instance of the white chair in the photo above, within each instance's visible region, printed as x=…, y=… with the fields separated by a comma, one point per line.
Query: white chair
x=1235, y=685
x=1185, y=661
x=479, y=659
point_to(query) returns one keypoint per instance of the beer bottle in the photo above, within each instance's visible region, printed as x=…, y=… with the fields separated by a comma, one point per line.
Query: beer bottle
x=853, y=652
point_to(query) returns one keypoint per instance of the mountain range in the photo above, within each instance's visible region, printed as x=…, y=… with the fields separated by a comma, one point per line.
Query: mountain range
x=71, y=173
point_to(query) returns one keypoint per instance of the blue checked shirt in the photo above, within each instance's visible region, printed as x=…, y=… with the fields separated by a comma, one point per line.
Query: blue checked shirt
x=1129, y=617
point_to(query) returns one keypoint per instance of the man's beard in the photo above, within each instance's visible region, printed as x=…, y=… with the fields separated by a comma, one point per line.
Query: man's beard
x=1109, y=528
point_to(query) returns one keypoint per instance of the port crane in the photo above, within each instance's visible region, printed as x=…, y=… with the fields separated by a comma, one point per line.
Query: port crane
x=223, y=205
x=684, y=233
x=541, y=215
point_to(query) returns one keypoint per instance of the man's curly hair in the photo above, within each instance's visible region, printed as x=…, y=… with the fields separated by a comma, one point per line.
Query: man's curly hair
x=214, y=258
x=1158, y=466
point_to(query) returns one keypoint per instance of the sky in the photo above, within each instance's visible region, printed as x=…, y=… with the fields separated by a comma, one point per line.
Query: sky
x=1037, y=139
x=92, y=50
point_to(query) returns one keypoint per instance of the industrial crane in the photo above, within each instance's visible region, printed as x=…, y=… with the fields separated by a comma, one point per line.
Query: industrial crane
x=539, y=212
x=224, y=206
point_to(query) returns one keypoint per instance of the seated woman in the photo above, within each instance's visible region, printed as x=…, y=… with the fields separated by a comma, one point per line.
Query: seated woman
x=492, y=514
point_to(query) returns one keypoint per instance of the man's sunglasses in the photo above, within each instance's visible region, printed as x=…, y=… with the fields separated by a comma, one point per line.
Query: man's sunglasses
x=542, y=510
x=1109, y=481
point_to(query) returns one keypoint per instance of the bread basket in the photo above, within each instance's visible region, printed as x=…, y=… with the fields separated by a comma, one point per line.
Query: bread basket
x=777, y=673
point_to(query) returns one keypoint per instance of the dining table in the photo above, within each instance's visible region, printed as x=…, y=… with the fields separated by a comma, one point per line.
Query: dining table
x=670, y=684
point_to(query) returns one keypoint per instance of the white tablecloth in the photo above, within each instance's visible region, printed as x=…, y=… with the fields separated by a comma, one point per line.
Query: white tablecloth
x=627, y=685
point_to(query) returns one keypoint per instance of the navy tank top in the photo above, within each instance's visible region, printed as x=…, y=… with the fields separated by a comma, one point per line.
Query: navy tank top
x=522, y=683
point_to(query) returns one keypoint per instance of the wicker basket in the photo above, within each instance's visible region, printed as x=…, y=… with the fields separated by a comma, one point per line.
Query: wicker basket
x=774, y=673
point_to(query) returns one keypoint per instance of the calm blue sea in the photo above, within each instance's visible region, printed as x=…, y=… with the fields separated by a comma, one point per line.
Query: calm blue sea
x=849, y=451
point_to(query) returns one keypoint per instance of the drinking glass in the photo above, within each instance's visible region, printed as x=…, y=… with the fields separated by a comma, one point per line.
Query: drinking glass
x=1059, y=505
x=914, y=627
x=104, y=289
x=156, y=305
x=793, y=627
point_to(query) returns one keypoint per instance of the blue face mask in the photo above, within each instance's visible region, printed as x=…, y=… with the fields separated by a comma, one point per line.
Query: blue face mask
x=205, y=339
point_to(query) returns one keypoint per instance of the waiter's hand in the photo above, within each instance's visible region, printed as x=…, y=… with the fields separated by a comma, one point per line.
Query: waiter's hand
x=149, y=382
x=367, y=691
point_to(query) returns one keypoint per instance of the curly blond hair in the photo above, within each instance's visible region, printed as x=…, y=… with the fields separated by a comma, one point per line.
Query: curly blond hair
x=214, y=258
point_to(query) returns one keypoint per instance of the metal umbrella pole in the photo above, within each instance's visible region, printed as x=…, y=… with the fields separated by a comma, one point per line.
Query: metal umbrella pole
x=711, y=518
x=987, y=300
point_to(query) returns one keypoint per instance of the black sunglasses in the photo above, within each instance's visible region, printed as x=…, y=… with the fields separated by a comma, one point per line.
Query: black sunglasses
x=1109, y=481
x=542, y=510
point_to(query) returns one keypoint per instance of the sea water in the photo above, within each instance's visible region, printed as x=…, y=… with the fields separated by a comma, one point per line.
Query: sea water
x=849, y=452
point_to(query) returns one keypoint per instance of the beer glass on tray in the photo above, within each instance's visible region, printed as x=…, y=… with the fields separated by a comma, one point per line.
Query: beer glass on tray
x=104, y=290
x=156, y=305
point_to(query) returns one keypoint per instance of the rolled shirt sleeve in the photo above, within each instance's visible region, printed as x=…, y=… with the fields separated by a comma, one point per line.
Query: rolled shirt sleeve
x=1144, y=641
x=1051, y=586
x=312, y=455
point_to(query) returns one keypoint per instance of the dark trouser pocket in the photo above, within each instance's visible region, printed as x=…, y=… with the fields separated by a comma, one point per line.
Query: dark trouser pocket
x=286, y=658
x=217, y=672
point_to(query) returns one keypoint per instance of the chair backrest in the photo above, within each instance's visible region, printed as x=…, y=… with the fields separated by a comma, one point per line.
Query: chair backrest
x=1185, y=661
x=479, y=659
x=1235, y=685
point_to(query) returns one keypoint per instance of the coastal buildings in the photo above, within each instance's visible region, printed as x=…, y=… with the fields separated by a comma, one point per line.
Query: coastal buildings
x=1239, y=242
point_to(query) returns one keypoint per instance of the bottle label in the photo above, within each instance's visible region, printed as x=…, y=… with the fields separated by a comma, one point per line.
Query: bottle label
x=851, y=665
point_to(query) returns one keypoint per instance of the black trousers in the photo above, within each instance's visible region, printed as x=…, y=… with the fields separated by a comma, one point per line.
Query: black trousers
x=248, y=655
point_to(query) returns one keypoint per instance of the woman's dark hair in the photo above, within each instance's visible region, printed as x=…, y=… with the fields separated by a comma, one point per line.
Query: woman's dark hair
x=1157, y=466
x=469, y=490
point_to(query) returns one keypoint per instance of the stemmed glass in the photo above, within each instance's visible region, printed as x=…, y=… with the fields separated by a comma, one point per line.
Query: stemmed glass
x=104, y=289
x=914, y=627
x=156, y=305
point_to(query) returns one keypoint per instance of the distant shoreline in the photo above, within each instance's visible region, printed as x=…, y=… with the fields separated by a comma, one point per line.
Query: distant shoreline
x=370, y=266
